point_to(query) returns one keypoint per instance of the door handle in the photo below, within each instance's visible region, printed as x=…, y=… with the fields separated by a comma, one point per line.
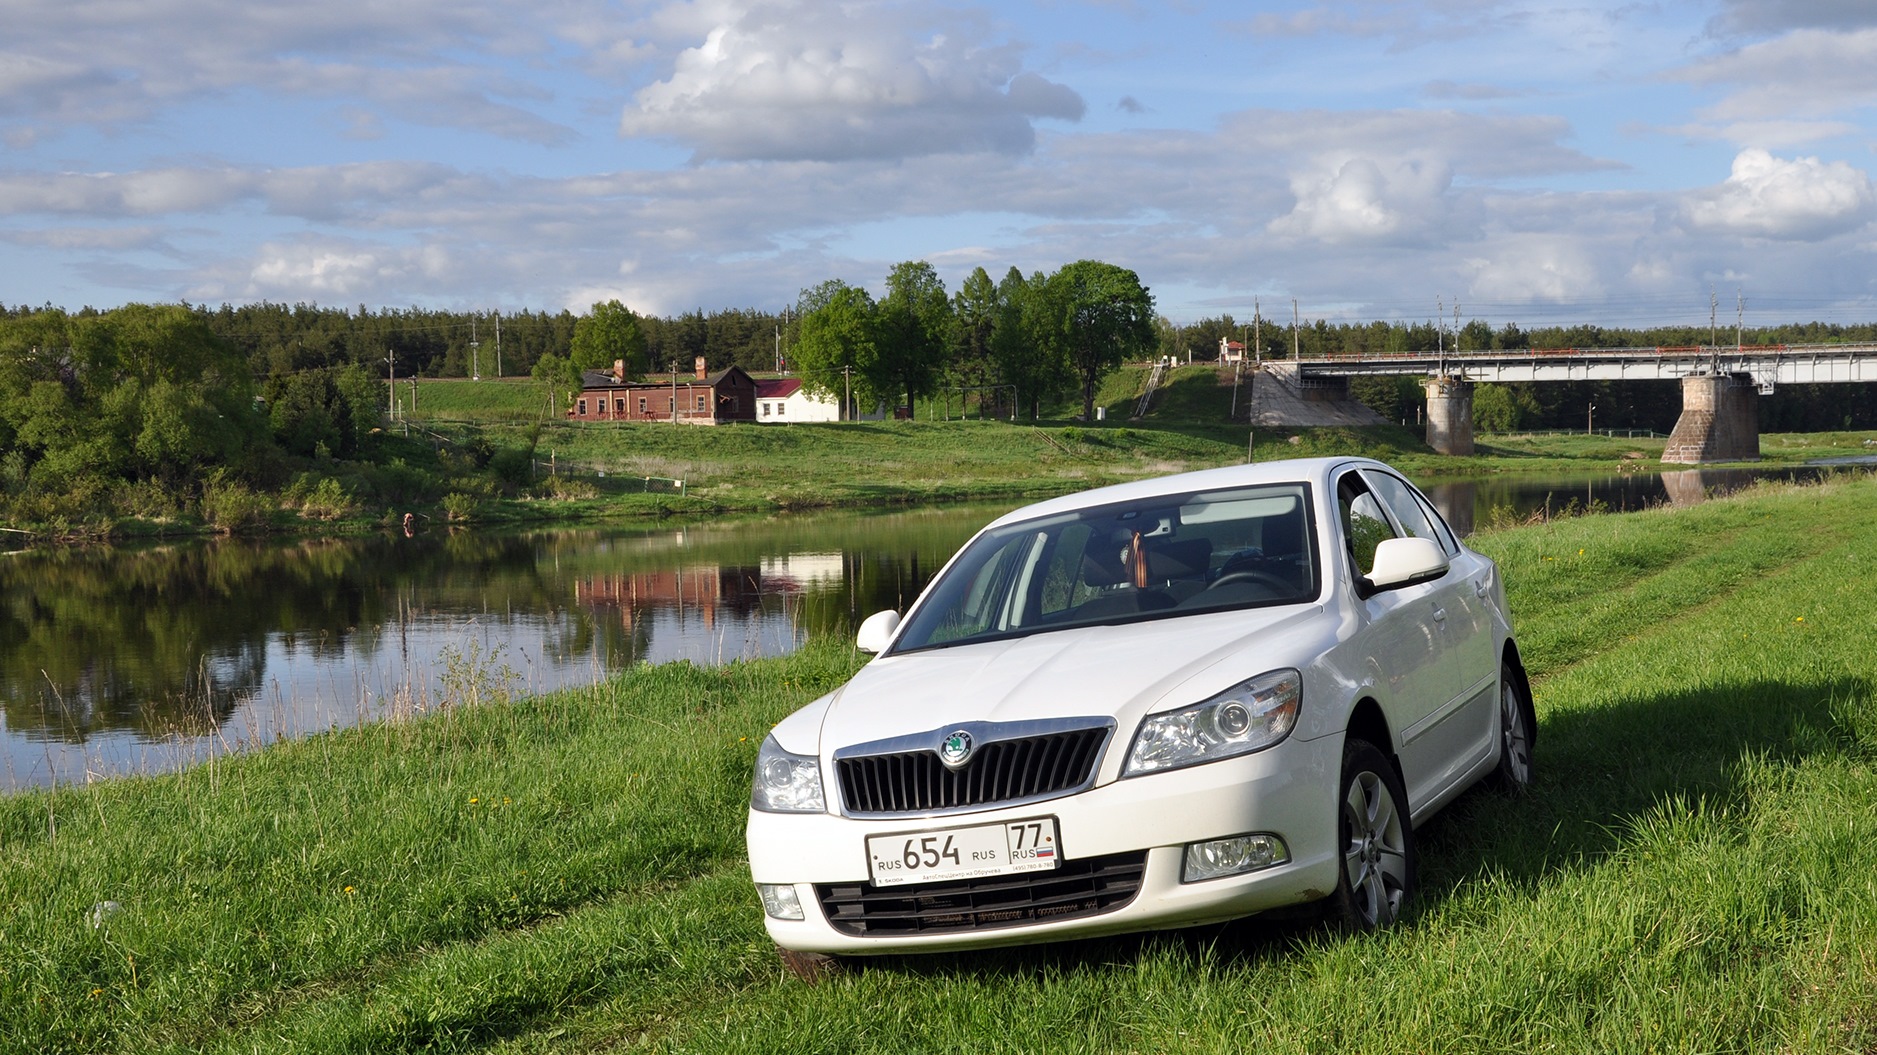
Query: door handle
x=1440, y=614
x=1479, y=588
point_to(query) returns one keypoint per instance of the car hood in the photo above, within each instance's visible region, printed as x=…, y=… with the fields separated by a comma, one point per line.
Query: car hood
x=1124, y=672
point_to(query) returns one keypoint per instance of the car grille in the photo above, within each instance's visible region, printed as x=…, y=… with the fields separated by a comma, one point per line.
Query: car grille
x=1020, y=769
x=1075, y=890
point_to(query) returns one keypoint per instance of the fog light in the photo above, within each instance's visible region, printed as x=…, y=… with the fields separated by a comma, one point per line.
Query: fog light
x=1230, y=857
x=779, y=900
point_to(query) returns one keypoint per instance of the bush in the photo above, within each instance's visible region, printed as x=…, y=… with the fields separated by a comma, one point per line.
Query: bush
x=459, y=507
x=325, y=500
x=231, y=507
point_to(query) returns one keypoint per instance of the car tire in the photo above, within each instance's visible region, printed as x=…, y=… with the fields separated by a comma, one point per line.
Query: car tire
x=1513, y=775
x=1376, y=879
x=810, y=967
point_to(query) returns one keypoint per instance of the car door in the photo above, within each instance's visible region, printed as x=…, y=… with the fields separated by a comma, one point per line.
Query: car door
x=1401, y=632
x=1453, y=725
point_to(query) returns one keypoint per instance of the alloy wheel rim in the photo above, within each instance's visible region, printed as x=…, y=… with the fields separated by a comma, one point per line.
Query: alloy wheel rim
x=1376, y=857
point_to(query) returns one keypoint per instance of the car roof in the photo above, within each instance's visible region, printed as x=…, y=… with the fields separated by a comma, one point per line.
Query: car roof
x=1290, y=470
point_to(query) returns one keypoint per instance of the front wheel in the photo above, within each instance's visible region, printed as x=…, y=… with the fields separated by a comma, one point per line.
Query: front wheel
x=1377, y=839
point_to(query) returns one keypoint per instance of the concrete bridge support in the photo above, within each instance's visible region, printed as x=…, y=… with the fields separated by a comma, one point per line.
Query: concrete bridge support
x=1449, y=415
x=1720, y=421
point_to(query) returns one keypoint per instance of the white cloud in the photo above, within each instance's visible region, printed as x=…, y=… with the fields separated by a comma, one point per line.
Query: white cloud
x=794, y=81
x=1806, y=73
x=110, y=64
x=1394, y=177
x=1552, y=268
x=1802, y=199
x=1362, y=200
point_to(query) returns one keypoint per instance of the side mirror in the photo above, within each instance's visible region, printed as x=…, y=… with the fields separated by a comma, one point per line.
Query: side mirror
x=877, y=632
x=1406, y=561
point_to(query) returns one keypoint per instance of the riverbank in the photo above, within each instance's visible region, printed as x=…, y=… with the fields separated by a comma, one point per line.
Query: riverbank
x=565, y=872
x=570, y=473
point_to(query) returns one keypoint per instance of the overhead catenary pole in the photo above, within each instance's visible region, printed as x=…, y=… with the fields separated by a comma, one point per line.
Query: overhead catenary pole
x=1295, y=352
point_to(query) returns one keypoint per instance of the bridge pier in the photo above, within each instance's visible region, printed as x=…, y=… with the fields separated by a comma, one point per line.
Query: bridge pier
x=1720, y=421
x=1449, y=415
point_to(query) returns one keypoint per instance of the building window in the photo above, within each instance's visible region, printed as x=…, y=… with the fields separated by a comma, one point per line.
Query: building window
x=671, y=405
x=780, y=407
x=619, y=405
x=765, y=410
x=583, y=409
x=641, y=406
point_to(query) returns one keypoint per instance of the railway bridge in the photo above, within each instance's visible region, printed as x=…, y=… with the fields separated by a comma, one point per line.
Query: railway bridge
x=1721, y=387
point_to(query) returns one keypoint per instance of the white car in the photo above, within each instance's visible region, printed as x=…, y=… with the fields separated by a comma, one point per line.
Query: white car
x=1159, y=704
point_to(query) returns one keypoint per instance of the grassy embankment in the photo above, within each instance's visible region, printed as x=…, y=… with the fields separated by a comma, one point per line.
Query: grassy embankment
x=803, y=466
x=1695, y=869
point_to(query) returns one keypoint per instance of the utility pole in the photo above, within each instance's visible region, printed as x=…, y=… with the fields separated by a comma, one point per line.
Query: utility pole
x=847, y=394
x=475, y=353
x=1740, y=318
x=1295, y=352
x=1257, y=334
x=1714, y=351
x=498, y=344
x=391, y=404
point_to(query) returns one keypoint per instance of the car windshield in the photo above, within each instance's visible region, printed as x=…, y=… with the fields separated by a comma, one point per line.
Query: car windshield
x=1166, y=556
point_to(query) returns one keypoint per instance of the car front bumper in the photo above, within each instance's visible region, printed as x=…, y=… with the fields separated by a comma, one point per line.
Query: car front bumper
x=1288, y=790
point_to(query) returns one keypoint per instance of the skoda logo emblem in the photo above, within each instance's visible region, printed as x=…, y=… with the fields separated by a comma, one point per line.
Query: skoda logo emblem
x=955, y=749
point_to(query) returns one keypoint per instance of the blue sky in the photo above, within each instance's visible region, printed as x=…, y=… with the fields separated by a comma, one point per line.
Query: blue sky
x=1538, y=163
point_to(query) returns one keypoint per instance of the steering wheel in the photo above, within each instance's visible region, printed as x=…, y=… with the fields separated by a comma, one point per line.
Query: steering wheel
x=1262, y=578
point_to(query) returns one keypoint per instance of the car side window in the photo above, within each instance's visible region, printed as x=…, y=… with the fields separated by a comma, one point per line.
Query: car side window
x=1448, y=540
x=1365, y=525
x=1409, y=513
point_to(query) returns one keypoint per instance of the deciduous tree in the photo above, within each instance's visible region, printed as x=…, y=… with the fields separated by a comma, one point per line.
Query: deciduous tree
x=837, y=341
x=913, y=332
x=609, y=334
x=1102, y=315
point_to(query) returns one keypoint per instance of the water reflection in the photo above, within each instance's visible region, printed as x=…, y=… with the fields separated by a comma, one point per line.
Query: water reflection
x=127, y=659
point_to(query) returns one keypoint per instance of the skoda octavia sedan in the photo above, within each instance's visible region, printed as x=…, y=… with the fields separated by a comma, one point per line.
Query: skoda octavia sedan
x=1153, y=705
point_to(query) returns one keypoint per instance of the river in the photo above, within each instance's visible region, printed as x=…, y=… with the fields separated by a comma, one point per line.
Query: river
x=132, y=659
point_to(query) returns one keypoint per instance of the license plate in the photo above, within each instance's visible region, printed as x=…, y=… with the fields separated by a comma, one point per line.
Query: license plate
x=963, y=853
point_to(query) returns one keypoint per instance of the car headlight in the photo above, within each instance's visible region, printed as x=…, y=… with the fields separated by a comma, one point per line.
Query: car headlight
x=786, y=783
x=1250, y=716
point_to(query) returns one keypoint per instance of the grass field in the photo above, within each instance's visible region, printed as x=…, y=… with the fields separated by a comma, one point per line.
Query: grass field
x=1695, y=869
